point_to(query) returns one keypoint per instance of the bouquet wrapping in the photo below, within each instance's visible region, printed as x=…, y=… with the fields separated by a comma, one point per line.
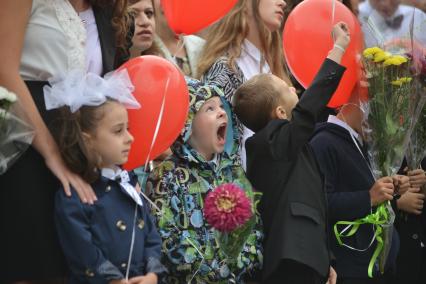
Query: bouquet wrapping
x=16, y=134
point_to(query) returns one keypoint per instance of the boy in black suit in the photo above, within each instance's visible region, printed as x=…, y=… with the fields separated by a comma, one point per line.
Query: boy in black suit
x=281, y=165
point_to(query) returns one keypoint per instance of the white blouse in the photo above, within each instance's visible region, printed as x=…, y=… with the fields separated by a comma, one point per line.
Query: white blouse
x=93, y=45
x=55, y=41
x=250, y=64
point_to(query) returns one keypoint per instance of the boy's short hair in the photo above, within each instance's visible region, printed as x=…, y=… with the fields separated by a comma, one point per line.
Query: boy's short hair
x=255, y=100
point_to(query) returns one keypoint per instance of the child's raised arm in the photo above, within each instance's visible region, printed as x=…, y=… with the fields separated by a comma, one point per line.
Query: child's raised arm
x=295, y=134
x=341, y=37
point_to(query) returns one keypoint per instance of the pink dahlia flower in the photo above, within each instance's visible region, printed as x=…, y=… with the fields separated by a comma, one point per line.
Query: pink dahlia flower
x=227, y=207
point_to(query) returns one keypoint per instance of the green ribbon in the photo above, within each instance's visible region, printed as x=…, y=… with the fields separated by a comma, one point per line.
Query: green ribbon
x=377, y=219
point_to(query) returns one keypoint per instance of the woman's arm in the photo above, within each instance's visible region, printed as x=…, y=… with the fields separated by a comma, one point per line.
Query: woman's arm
x=14, y=17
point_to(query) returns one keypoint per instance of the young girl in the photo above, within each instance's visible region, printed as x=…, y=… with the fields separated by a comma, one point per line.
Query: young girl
x=48, y=38
x=114, y=238
x=246, y=42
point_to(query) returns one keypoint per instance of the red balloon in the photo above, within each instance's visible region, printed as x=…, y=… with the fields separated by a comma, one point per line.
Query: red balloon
x=191, y=16
x=158, y=83
x=307, y=41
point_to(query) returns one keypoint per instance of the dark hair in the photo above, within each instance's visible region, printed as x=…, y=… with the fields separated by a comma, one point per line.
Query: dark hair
x=120, y=20
x=70, y=129
x=255, y=100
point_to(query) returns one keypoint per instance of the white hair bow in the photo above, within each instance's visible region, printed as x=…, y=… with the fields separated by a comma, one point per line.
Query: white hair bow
x=77, y=89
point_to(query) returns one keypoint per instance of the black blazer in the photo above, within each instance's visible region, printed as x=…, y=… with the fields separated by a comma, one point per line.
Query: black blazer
x=112, y=57
x=281, y=164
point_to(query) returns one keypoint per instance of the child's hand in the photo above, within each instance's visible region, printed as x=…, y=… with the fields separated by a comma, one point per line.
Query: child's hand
x=150, y=278
x=401, y=183
x=381, y=191
x=412, y=201
x=341, y=35
x=417, y=178
x=332, y=276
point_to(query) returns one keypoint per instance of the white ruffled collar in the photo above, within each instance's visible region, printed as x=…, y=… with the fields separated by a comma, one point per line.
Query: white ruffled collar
x=122, y=176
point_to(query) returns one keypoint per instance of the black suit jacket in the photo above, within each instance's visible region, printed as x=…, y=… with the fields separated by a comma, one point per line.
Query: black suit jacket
x=112, y=57
x=282, y=166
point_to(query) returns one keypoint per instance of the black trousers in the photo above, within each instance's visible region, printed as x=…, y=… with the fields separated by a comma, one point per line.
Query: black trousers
x=292, y=272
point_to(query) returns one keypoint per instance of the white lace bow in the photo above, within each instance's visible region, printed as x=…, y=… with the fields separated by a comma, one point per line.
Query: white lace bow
x=77, y=89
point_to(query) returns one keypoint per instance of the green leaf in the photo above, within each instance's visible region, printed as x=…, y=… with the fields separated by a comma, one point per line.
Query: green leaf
x=391, y=125
x=197, y=187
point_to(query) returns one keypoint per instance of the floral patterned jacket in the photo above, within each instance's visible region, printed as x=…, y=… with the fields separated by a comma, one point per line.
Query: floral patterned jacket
x=178, y=187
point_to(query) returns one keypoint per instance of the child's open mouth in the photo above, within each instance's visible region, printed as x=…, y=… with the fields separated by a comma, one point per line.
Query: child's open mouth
x=221, y=133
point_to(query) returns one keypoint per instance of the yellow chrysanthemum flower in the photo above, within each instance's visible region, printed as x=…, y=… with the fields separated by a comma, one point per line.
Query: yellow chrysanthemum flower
x=403, y=59
x=401, y=81
x=392, y=61
x=395, y=60
x=406, y=79
x=381, y=56
x=397, y=83
x=371, y=51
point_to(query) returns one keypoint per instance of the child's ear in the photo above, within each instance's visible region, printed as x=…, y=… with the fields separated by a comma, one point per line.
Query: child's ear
x=280, y=112
x=87, y=138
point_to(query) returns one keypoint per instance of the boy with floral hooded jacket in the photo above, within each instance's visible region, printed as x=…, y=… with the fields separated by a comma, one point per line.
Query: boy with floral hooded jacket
x=204, y=157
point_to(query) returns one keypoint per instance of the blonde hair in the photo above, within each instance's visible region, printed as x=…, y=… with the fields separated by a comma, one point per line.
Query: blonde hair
x=227, y=36
x=255, y=100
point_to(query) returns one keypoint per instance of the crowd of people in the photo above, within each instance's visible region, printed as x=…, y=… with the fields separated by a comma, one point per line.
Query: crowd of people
x=71, y=214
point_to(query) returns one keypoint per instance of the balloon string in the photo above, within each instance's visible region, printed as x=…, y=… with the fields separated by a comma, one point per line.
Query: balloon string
x=180, y=45
x=132, y=243
x=333, y=12
x=159, y=120
x=154, y=139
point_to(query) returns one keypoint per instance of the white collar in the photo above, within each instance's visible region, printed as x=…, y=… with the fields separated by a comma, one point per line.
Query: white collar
x=110, y=173
x=124, y=181
x=252, y=50
x=335, y=120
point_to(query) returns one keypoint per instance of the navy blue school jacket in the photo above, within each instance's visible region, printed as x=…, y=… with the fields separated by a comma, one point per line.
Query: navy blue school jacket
x=96, y=238
x=348, y=181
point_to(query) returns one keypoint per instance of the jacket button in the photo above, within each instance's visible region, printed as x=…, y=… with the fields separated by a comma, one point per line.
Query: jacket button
x=121, y=225
x=141, y=224
x=123, y=265
x=89, y=273
x=108, y=188
x=415, y=236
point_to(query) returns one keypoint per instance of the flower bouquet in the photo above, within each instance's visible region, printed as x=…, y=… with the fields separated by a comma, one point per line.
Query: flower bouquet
x=230, y=211
x=388, y=119
x=389, y=115
x=15, y=134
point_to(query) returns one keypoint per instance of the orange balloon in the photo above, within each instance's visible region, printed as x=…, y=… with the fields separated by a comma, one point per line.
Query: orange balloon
x=191, y=16
x=158, y=85
x=307, y=41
